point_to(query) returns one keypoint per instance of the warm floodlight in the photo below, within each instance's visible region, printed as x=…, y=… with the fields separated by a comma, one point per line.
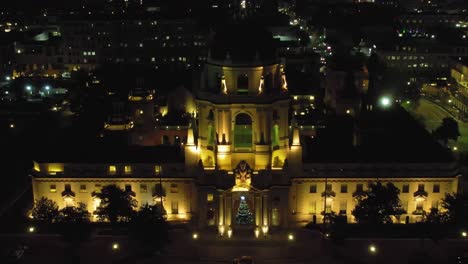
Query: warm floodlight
x=115, y=246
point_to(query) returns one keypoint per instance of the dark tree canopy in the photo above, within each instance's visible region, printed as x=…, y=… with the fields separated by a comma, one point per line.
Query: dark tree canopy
x=455, y=208
x=73, y=223
x=447, y=130
x=45, y=211
x=149, y=228
x=378, y=204
x=116, y=205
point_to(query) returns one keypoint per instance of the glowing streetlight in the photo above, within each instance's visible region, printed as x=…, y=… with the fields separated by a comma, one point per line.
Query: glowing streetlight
x=31, y=229
x=115, y=246
x=385, y=101
x=29, y=87
x=372, y=249
x=195, y=236
x=290, y=237
x=7, y=78
x=464, y=234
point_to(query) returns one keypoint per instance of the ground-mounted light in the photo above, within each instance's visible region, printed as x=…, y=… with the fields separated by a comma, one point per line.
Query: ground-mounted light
x=257, y=232
x=195, y=236
x=229, y=232
x=450, y=101
x=115, y=246
x=12, y=125
x=221, y=230
x=47, y=87
x=464, y=234
x=372, y=249
x=455, y=148
x=28, y=87
x=265, y=230
x=31, y=229
x=291, y=237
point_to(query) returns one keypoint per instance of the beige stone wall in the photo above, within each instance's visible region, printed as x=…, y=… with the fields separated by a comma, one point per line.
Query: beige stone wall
x=182, y=195
x=304, y=205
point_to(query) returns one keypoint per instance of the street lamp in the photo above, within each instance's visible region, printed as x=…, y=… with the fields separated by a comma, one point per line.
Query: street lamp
x=372, y=249
x=31, y=229
x=385, y=101
x=115, y=246
x=464, y=234
x=290, y=237
x=195, y=236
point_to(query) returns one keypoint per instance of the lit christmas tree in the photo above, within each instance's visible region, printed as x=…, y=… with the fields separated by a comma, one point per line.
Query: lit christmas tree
x=244, y=216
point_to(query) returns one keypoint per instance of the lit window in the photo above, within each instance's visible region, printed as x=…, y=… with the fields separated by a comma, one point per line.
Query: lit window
x=209, y=197
x=157, y=169
x=128, y=169
x=112, y=169
x=83, y=188
x=53, y=188
x=143, y=188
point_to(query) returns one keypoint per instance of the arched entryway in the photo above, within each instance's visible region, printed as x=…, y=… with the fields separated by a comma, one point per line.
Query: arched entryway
x=243, y=136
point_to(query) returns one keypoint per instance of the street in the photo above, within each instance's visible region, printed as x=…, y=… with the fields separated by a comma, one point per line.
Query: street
x=431, y=115
x=307, y=247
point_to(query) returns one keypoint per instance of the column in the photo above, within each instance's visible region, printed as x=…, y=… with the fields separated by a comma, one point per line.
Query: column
x=228, y=210
x=258, y=210
x=221, y=210
x=265, y=210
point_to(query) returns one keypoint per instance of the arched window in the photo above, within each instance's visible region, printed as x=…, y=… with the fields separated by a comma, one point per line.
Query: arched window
x=243, y=132
x=243, y=84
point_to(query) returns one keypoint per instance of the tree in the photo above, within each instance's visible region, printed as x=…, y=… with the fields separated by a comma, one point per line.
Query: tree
x=244, y=216
x=73, y=223
x=455, y=208
x=116, y=205
x=447, y=130
x=45, y=211
x=149, y=229
x=378, y=204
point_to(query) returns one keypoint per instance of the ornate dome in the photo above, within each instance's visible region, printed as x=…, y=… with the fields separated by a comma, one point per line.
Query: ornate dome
x=243, y=43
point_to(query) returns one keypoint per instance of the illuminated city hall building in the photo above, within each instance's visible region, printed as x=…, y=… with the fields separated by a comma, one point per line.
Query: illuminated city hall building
x=242, y=148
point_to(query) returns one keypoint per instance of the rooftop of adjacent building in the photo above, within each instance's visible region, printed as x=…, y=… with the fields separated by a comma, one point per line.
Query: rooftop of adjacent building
x=109, y=153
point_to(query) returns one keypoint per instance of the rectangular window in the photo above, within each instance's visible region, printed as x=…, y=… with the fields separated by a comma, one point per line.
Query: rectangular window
x=343, y=207
x=53, y=188
x=419, y=206
x=420, y=187
x=83, y=188
x=405, y=188
x=174, y=188
x=128, y=187
x=143, y=188
x=344, y=188
x=359, y=187
x=328, y=188
x=435, y=204
x=175, y=207
x=67, y=187
x=157, y=169
x=128, y=169
x=313, y=188
x=112, y=169
x=328, y=207
x=312, y=207
x=209, y=197
x=436, y=188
